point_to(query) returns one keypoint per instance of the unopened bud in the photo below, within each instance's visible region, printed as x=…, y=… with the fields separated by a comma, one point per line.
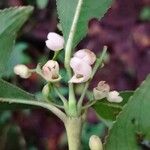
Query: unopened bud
x=101, y=91
x=51, y=70
x=113, y=96
x=55, y=41
x=86, y=55
x=22, y=70
x=95, y=143
x=46, y=90
x=82, y=70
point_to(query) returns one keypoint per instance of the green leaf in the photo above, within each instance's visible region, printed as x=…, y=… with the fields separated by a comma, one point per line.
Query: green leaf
x=132, y=126
x=9, y=91
x=41, y=3
x=108, y=111
x=11, y=20
x=145, y=13
x=17, y=57
x=12, y=97
x=77, y=13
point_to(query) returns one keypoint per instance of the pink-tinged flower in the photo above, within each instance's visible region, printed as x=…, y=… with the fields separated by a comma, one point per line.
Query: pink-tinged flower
x=113, y=96
x=82, y=70
x=22, y=70
x=101, y=91
x=50, y=70
x=86, y=55
x=55, y=41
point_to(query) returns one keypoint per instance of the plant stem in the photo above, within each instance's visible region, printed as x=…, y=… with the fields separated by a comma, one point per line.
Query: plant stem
x=73, y=128
x=99, y=61
x=68, y=53
x=97, y=65
x=69, y=44
x=64, y=100
x=45, y=105
x=55, y=55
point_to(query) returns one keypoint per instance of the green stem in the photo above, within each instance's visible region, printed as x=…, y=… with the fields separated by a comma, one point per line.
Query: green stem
x=96, y=66
x=69, y=44
x=45, y=105
x=64, y=100
x=73, y=128
x=68, y=53
x=99, y=61
x=55, y=55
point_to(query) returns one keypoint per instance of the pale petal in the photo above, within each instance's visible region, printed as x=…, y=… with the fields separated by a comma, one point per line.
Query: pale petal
x=95, y=143
x=50, y=70
x=113, y=96
x=99, y=94
x=22, y=70
x=55, y=42
x=86, y=55
x=80, y=67
x=101, y=91
x=82, y=70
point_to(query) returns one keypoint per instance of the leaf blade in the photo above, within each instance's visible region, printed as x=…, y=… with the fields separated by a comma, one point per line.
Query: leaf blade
x=108, y=111
x=9, y=91
x=89, y=9
x=132, y=122
x=11, y=20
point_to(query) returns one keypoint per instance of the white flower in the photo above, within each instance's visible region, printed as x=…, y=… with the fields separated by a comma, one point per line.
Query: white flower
x=22, y=70
x=113, y=96
x=82, y=70
x=55, y=42
x=86, y=55
x=101, y=91
x=95, y=143
x=50, y=70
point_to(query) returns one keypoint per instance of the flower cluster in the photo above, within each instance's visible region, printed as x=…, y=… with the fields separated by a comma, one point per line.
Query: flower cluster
x=103, y=91
x=50, y=71
x=81, y=65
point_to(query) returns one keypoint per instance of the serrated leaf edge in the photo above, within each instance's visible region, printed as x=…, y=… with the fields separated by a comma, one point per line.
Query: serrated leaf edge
x=117, y=116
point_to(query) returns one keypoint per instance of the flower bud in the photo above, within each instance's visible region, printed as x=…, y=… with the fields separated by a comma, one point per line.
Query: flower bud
x=22, y=70
x=82, y=70
x=113, y=96
x=101, y=91
x=95, y=143
x=55, y=42
x=50, y=70
x=46, y=90
x=86, y=55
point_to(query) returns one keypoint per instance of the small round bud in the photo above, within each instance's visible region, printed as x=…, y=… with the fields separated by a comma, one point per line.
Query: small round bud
x=86, y=55
x=95, y=143
x=46, y=90
x=51, y=70
x=55, y=42
x=113, y=96
x=22, y=70
x=82, y=70
x=101, y=91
